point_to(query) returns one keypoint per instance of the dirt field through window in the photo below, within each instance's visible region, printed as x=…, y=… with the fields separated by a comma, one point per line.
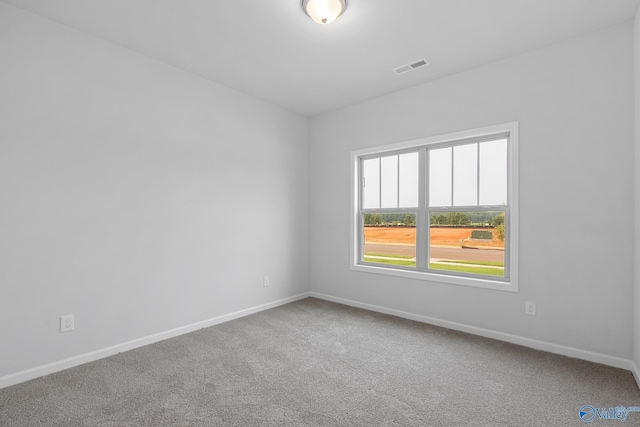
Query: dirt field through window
x=441, y=236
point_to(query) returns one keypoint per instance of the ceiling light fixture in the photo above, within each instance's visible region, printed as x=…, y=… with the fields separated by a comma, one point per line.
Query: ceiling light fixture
x=324, y=11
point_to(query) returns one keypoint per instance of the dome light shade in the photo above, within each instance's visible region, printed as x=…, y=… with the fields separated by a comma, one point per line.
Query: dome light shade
x=324, y=11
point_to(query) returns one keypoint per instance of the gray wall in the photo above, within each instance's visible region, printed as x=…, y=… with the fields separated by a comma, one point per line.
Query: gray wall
x=636, y=332
x=134, y=195
x=574, y=102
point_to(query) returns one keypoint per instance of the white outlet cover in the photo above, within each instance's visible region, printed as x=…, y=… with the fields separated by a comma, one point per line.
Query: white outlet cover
x=530, y=308
x=67, y=323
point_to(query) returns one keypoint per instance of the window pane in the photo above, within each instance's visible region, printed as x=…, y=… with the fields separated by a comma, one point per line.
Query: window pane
x=408, y=180
x=390, y=238
x=467, y=242
x=371, y=191
x=440, y=177
x=493, y=172
x=389, y=182
x=465, y=175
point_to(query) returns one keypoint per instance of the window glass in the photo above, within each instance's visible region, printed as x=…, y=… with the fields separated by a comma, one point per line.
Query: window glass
x=371, y=178
x=408, y=185
x=493, y=173
x=465, y=175
x=390, y=239
x=440, y=177
x=468, y=242
x=389, y=182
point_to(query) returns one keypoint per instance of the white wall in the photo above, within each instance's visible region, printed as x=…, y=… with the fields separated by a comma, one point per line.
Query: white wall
x=574, y=102
x=636, y=332
x=134, y=195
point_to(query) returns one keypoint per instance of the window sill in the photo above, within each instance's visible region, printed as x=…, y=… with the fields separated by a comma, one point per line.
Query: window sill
x=511, y=286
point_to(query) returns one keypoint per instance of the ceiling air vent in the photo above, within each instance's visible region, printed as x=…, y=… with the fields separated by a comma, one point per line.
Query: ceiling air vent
x=412, y=66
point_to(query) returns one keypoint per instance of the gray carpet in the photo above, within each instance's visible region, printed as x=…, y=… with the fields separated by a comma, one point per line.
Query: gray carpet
x=316, y=363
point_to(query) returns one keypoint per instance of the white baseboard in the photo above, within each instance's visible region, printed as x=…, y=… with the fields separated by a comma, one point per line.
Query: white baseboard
x=60, y=365
x=57, y=366
x=636, y=373
x=590, y=356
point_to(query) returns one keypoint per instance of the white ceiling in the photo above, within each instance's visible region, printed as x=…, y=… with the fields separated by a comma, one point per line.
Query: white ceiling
x=270, y=49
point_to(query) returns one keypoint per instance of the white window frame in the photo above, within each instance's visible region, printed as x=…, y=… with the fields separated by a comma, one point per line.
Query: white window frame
x=510, y=130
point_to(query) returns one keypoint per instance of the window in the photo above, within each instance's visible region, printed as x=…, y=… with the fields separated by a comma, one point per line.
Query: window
x=440, y=209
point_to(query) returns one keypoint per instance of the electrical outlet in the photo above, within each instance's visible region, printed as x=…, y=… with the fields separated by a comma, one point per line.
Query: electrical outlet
x=530, y=308
x=265, y=281
x=67, y=323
